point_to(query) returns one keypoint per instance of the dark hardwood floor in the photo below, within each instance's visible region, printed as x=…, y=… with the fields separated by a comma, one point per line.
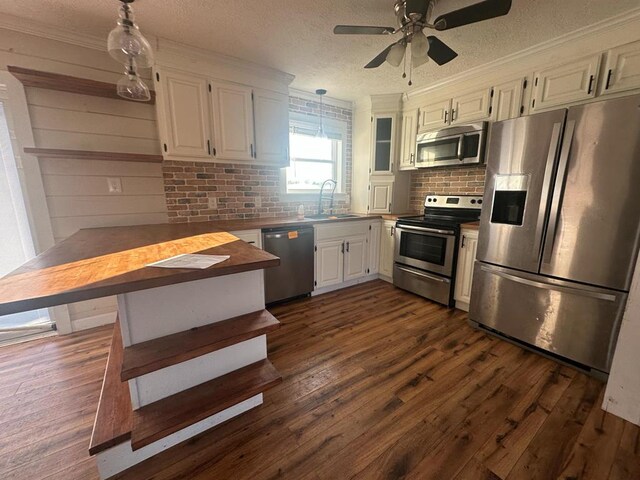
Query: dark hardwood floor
x=378, y=383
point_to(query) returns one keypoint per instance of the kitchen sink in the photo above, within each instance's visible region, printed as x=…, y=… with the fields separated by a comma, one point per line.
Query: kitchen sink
x=332, y=216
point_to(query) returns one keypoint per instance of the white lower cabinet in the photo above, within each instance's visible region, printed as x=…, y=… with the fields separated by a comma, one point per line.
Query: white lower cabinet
x=374, y=247
x=387, y=244
x=355, y=257
x=329, y=263
x=344, y=252
x=253, y=237
x=464, y=273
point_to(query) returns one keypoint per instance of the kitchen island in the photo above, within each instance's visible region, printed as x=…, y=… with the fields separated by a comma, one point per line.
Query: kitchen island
x=189, y=349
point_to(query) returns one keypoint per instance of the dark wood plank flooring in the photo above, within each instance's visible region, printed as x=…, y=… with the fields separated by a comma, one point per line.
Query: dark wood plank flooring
x=378, y=383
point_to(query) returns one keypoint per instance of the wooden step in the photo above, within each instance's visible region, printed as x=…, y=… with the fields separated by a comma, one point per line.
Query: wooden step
x=114, y=417
x=163, y=352
x=171, y=414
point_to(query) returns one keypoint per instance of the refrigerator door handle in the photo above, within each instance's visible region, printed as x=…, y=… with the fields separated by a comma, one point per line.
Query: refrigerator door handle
x=554, y=146
x=558, y=190
x=549, y=286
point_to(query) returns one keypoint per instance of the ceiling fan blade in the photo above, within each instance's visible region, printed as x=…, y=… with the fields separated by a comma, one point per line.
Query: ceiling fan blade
x=439, y=51
x=472, y=14
x=362, y=30
x=380, y=58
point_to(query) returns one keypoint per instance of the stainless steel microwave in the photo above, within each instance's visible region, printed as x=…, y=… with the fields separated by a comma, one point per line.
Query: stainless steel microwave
x=458, y=145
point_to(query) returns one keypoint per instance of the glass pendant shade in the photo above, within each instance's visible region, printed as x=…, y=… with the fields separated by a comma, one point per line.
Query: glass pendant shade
x=419, y=47
x=132, y=87
x=396, y=54
x=126, y=42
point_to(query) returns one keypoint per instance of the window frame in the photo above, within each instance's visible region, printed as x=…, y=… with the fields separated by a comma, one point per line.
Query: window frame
x=335, y=129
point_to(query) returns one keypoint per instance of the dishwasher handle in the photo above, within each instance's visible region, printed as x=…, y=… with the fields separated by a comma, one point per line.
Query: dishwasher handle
x=285, y=233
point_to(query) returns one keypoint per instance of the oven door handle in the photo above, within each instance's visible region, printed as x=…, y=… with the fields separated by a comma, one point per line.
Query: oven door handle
x=425, y=230
x=422, y=274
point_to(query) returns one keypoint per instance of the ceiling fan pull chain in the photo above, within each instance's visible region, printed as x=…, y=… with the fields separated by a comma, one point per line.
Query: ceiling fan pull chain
x=410, y=71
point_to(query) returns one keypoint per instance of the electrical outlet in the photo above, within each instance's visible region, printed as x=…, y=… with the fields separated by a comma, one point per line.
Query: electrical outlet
x=114, y=184
x=213, y=203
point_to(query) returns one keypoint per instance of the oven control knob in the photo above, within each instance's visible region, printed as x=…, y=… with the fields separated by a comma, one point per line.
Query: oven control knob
x=479, y=201
x=435, y=199
x=473, y=201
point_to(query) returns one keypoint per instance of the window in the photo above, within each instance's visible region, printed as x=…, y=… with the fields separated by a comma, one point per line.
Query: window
x=314, y=160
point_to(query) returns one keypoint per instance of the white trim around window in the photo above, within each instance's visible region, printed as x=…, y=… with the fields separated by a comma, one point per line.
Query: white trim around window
x=335, y=129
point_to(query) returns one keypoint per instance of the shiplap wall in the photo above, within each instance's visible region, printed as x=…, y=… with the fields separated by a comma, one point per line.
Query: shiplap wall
x=76, y=190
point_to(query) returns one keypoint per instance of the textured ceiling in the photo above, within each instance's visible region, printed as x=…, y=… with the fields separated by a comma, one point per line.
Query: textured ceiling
x=296, y=36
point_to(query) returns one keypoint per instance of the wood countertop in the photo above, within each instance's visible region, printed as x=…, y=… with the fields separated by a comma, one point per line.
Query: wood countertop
x=98, y=262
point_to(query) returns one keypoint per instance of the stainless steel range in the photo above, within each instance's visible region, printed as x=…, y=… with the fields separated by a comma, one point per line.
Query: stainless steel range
x=426, y=246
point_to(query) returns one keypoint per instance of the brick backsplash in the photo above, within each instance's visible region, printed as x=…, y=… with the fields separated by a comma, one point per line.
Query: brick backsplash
x=243, y=190
x=445, y=181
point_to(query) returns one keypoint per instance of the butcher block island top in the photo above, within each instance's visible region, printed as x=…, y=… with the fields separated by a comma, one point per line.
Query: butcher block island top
x=99, y=262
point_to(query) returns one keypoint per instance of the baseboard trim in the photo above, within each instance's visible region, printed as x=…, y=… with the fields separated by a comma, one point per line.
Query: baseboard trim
x=339, y=286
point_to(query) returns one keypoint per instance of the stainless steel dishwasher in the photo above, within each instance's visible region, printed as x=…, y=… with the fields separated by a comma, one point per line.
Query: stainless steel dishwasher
x=294, y=276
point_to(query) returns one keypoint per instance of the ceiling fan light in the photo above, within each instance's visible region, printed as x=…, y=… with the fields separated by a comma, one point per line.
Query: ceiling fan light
x=416, y=62
x=419, y=46
x=396, y=54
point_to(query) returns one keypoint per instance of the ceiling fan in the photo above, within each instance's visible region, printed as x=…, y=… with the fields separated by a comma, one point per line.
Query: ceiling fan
x=413, y=16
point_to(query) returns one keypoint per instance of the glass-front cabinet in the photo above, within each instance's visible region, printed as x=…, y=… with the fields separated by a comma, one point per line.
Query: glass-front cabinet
x=383, y=144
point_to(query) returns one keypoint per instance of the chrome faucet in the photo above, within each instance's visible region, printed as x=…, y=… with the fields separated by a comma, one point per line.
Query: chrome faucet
x=327, y=196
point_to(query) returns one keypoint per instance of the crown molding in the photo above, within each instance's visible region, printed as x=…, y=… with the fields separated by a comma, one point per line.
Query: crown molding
x=625, y=18
x=169, y=50
x=334, y=102
x=23, y=25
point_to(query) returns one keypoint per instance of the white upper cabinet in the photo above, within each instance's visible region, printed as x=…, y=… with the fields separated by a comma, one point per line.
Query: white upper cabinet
x=408, y=140
x=435, y=115
x=507, y=101
x=271, y=113
x=232, y=108
x=183, y=114
x=471, y=107
x=383, y=148
x=567, y=83
x=381, y=193
x=622, y=70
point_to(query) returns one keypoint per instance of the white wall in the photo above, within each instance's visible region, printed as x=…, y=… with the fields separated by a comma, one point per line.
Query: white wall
x=76, y=190
x=622, y=396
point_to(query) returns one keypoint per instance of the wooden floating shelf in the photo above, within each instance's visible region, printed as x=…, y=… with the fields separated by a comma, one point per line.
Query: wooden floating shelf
x=147, y=357
x=171, y=414
x=92, y=155
x=114, y=417
x=66, y=83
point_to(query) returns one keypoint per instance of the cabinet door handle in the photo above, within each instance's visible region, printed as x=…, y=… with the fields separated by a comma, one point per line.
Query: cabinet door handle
x=590, y=84
x=209, y=147
x=453, y=114
x=252, y=150
x=462, y=246
x=446, y=114
x=412, y=159
x=393, y=231
x=347, y=247
x=389, y=207
x=606, y=87
x=342, y=247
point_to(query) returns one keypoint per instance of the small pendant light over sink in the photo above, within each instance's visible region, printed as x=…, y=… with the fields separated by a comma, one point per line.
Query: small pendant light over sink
x=128, y=46
x=321, y=134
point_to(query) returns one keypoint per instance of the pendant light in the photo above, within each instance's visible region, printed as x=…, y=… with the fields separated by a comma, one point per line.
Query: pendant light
x=321, y=133
x=131, y=87
x=128, y=46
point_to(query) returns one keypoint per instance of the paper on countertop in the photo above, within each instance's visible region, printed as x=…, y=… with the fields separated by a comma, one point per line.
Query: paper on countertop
x=190, y=260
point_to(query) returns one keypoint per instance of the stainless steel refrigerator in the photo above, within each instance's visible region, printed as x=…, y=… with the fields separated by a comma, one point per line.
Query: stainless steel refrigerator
x=559, y=229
